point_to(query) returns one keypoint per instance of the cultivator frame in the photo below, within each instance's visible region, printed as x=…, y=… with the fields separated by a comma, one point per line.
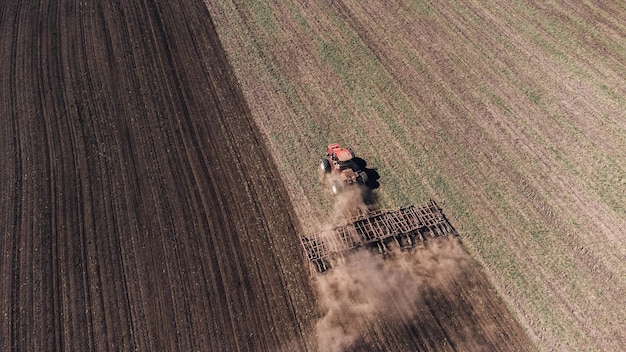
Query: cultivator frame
x=405, y=227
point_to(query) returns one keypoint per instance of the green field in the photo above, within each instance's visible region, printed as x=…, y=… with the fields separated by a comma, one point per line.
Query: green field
x=511, y=115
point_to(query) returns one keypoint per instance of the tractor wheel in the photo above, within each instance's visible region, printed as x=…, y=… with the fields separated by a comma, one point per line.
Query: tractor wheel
x=363, y=177
x=325, y=165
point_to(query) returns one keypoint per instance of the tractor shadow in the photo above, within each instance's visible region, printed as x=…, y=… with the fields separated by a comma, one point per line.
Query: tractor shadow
x=372, y=174
x=369, y=197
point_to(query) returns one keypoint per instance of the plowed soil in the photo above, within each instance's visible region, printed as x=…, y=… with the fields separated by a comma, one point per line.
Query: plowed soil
x=141, y=211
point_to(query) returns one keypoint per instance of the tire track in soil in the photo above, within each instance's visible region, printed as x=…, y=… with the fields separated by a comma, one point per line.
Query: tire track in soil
x=139, y=210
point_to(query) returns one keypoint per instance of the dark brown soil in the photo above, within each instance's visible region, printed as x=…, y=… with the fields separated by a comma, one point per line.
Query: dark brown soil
x=139, y=210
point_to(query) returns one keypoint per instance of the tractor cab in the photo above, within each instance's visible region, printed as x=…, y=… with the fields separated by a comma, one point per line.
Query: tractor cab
x=341, y=161
x=341, y=157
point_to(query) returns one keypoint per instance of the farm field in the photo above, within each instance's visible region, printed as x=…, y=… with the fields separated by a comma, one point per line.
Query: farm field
x=159, y=163
x=510, y=114
x=142, y=210
x=135, y=215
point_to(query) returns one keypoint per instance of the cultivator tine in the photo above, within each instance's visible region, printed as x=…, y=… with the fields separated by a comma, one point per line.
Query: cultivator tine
x=410, y=225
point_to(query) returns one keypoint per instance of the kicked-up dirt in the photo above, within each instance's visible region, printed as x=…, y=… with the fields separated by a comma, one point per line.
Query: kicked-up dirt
x=140, y=209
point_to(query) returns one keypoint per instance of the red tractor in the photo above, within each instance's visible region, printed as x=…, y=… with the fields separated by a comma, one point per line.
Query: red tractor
x=341, y=162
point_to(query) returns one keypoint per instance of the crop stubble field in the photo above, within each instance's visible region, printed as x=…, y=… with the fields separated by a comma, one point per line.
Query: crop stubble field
x=512, y=113
x=136, y=214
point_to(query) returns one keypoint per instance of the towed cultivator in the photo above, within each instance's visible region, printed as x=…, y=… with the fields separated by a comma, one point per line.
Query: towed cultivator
x=403, y=227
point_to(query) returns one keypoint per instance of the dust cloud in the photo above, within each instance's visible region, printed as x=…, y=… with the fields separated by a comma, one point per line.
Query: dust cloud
x=351, y=201
x=368, y=286
x=363, y=287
